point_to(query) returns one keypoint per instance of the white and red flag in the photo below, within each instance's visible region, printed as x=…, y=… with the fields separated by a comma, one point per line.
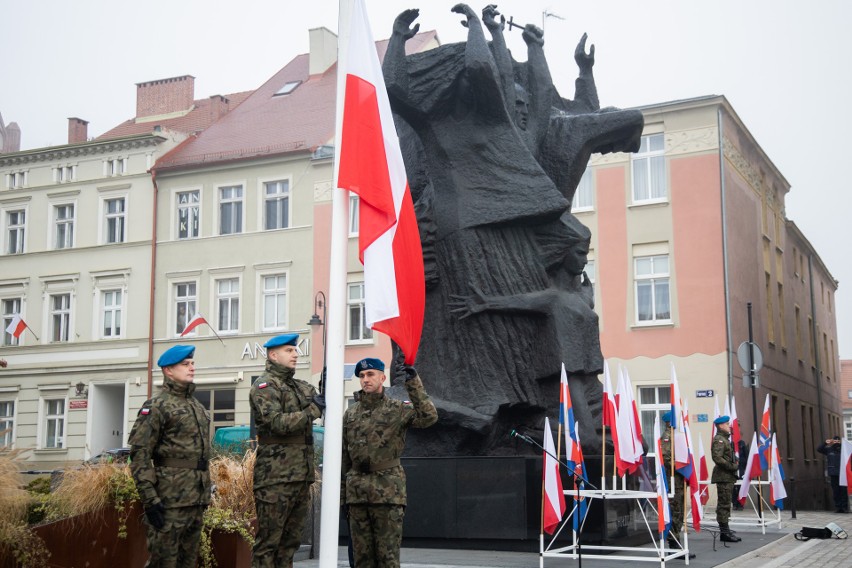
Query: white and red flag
x=196, y=320
x=554, y=497
x=693, y=480
x=610, y=415
x=736, y=434
x=680, y=446
x=752, y=470
x=777, y=492
x=630, y=456
x=370, y=165
x=703, y=473
x=17, y=326
x=846, y=465
x=664, y=519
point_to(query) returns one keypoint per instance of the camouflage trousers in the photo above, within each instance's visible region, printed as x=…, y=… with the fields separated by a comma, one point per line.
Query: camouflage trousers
x=723, y=502
x=176, y=544
x=677, y=504
x=376, y=534
x=281, y=513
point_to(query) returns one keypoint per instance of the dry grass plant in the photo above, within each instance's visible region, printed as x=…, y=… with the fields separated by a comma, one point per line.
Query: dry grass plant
x=13, y=497
x=234, y=486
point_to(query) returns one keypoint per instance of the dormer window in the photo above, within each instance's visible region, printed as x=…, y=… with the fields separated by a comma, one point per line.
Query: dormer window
x=288, y=88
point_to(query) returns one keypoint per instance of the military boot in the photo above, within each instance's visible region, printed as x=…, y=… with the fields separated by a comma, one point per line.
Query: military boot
x=727, y=534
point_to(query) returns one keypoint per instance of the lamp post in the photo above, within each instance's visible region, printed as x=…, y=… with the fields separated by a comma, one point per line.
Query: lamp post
x=320, y=303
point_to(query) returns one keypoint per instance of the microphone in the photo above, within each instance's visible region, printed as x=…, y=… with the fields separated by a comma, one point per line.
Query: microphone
x=527, y=439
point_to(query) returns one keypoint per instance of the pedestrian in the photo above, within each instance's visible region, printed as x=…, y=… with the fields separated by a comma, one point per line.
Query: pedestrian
x=374, y=431
x=283, y=409
x=169, y=450
x=724, y=476
x=831, y=449
x=742, y=451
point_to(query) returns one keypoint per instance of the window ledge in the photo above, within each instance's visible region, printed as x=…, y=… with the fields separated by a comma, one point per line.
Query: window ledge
x=649, y=203
x=655, y=324
x=583, y=210
x=51, y=450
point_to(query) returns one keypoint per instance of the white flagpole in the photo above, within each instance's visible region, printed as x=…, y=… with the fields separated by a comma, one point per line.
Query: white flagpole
x=334, y=396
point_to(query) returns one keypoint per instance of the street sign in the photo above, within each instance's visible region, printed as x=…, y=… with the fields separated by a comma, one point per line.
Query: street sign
x=702, y=418
x=742, y=357
x=706, y=393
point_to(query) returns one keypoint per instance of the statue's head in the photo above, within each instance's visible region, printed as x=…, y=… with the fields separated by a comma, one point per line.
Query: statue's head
x=565, y=244
x=522, y=107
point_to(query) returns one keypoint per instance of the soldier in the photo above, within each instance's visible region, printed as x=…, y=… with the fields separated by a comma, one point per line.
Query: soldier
x=284, y=409
x=169, y=449
x=679, y=480
x=374, y=431
x=724, y=476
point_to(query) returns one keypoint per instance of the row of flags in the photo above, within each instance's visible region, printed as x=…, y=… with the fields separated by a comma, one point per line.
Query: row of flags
x=17, y=326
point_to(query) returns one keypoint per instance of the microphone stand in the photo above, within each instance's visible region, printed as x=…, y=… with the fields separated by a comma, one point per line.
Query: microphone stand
x=577, y=479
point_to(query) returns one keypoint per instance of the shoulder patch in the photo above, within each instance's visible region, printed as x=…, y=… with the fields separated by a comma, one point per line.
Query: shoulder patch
x=407, y=403
x=144, y=411
x=263, y=385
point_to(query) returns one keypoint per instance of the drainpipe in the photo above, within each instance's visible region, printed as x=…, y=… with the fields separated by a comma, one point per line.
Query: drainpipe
x=730, y=348
x=817, y=367
x=151, y=291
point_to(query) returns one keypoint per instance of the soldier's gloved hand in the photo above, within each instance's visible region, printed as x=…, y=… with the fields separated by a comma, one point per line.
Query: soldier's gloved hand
x=319, y=400
x=407, y=371
x=156, y=515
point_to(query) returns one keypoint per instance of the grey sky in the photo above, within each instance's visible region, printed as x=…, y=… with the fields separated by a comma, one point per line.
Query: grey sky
x=784, y=65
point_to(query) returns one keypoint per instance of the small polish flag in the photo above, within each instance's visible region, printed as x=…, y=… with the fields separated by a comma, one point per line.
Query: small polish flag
x=196, y=320
x=16, y=326
x=145, y=411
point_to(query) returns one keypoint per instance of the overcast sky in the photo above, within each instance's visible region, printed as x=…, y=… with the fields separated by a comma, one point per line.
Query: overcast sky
x=784, y=65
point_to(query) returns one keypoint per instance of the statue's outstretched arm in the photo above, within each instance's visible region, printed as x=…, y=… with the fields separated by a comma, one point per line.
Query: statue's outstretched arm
x=585, y=90
x=539, y=81
x=537, y=303
x=483, y=80
x=500, y=52
x=394, y=67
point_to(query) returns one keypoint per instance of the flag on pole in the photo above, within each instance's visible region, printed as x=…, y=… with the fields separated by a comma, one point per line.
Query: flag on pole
x=736, y=435
x=777, y=492
x=17, y=326
x=196, y=320
x=554, y=497
x=846, y=465
x=370, y=165
x=764, y=441
x=716, y=415
x=750, y=471
x=703, y=473
x=664, y=518
x=629, y=455
x=610, y=413
x=637, y=422
x=573, y=450
x=679, y=443
x=692, y=480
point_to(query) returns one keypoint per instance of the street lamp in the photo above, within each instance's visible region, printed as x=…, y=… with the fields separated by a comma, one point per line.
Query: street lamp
x=320, y=304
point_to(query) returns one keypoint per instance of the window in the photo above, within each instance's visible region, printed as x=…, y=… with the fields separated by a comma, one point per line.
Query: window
x=185, y=299
x=356, y=317
x=591, y=270
x=63, y=174
x=228, y=292
x=16, y=222
x=275, y=301
x=221, y=406
x=111, y=319
x=16, y=180
x=799, y=349
x=276, y=203
x=60, y=317
x=7, y=423
x=114, y=220
x=63, y=218
x=782, y=330
x=652, y=288
x=770, y=310
x=653, y=402
x=584, y=197
x=288, y=88
x=115, y=167
x=354, y=203
x=10, y=308
x=848, y=429
x=54, y=423
x=187, y=214
x=649, y=170
x=230, y=210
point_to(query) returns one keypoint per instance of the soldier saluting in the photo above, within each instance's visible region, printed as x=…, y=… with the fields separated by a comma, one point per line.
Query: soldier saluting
x=168, y=459
x=724, y=476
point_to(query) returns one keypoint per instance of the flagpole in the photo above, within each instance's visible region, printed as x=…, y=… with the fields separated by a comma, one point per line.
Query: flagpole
x=603, y=458
x=334, y=395
x=34, y=335
x=216, y=334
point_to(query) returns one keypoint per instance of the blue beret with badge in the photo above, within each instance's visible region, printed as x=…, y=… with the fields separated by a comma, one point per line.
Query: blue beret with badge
x=279, y=340
x=722, y=420
x=667, y=417
x=176, y=354
x=369, y=363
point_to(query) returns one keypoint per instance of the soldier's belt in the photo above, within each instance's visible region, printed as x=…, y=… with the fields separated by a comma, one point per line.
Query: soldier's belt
x=200, y=464
x=379, y=466
x=294, y=439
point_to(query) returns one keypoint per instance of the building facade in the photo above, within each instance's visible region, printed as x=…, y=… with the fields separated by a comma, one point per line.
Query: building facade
x=846, y=395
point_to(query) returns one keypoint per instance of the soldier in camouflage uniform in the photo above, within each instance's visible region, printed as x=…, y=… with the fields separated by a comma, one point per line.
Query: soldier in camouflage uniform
x=724, y=476
x=284, y=409
x=374, y=431
x=679, y=481
x=169, y=449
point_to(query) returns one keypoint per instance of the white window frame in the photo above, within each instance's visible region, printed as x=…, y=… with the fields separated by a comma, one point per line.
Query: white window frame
x=115, y=166
x=653, y=278
x=354, y=214
x=657, y=407
x=17, y=180
x=21, y=229
x=113, y=309
x=103, y=227
x=591, y=269
x=236, y=202
x=288, y=195
x=65, y=174
x=12, y=420
x=358, y=306
x=281, y=294
x=65, y=315
x=189, y=206
x=103, y=282
x=45, y=397
x=229, y=298
x=584, y=196
x=70, y=240
x=648, y=156
x=6, y=319
x=191, y=301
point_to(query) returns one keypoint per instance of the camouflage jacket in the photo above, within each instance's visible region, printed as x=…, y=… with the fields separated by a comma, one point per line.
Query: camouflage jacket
x=171, y=425
x=666, y=447
x=282, y=406
x=374, y=431
x=725, y=470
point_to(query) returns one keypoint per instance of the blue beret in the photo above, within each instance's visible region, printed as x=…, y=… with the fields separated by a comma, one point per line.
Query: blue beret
x=667, y=417
x=722, y=420
x=279, y=340
x=369, y=363
x=176, y=354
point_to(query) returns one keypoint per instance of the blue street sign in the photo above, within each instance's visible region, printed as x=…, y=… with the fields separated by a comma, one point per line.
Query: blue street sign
x=707, y=393
x=701, y=418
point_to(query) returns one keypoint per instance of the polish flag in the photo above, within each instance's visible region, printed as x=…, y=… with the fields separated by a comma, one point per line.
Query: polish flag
x=610, y=413
x=846, y=465
x=196, y=320
x=629, y=455
x=370, y=165
x=664, y=519
x=703, y=474
x=750, y=470
x=16, y=326
x=680, y=446
x=736, y=435
x=554, y=497
x=716, y=414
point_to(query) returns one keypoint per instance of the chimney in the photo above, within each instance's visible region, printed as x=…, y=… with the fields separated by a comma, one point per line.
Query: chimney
x=165, y=96
x=323, y=52
x=78, y=130
x=11, y=142
x=219, y=106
